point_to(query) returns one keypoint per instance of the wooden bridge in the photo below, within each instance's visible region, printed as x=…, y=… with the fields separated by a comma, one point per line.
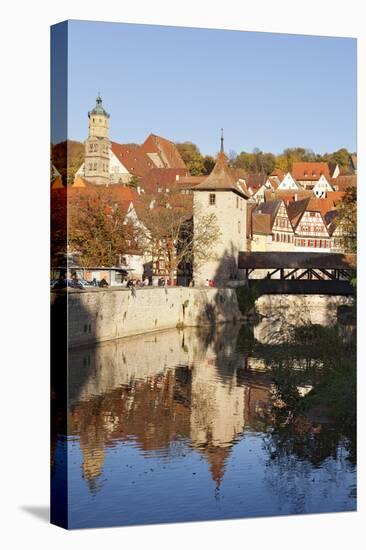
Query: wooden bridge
x=299, y=272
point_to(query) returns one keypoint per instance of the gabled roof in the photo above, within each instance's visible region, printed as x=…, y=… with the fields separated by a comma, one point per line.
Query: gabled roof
x=264, y=216
x=310, y=170
x=166, y=150
x=295, y=210
x=342, y=183
x=274, y=181
x=255, y=181
x=133, y=158
x=221, y=179
x=280, y=174
x=269, y=207
x=332, y=166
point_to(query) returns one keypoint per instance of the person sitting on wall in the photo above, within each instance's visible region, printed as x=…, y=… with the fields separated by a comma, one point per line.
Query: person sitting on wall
x=75, y=283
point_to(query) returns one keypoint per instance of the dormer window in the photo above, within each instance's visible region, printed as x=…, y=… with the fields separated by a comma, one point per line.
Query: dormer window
x=212, y=199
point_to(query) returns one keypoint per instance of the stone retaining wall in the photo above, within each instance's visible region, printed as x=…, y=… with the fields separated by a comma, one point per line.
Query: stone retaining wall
x=98, y=315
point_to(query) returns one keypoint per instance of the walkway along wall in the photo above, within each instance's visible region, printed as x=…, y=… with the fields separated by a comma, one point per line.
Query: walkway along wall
x=99, y=315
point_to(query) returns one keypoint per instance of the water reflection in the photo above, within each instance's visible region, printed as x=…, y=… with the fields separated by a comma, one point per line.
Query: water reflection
x=248, y=420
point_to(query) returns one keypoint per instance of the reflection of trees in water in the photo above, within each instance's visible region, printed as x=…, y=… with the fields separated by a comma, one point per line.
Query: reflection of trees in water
x=322, y=423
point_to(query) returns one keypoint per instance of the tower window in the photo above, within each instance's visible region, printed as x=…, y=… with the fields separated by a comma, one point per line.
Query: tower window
x=212, y=198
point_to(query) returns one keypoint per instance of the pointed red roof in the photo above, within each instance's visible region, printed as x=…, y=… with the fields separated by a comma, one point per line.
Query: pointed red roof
x=221, y=178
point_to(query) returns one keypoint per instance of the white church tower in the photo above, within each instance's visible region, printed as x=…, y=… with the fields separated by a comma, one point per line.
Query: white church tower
x=222, y=194
x=97, y=146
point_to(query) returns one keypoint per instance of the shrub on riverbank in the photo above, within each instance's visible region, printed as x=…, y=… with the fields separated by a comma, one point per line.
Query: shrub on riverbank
x=246, y=298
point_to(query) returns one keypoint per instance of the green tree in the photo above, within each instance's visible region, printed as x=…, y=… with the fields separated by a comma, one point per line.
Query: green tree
x=208, y=163
x=192, y=157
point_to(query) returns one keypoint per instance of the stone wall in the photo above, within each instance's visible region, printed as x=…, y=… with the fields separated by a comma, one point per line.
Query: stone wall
x=280, y=313
x=99, y=315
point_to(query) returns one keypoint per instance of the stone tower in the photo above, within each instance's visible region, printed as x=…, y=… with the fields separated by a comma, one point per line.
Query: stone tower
x=97, y=146
x=221, y=193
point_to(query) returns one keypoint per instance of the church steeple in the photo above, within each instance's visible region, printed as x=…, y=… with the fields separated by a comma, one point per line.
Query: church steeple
x=222, y=141
x=97, y=145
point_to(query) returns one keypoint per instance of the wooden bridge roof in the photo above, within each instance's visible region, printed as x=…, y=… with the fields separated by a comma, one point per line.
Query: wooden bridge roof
x=299, y=260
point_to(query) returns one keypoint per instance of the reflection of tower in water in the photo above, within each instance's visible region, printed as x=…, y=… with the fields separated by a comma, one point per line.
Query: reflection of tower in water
x=207, y=402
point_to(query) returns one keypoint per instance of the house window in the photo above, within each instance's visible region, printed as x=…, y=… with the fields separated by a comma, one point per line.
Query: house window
x=212, y=198
x=237, y=203
x=239, y=226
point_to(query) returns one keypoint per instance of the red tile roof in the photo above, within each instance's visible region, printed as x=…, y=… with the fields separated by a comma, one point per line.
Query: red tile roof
x=255, y=181
x=166, y=150
x=341, y=183
x=133, y=158
x=310, y=171
x=278, y=173
x=287, y=195
x=191, y=181
x=162, y=178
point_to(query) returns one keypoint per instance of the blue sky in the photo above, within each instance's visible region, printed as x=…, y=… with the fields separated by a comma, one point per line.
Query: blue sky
x=266, y=90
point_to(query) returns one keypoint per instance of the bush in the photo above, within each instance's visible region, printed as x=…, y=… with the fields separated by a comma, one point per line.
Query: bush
x=246, y=298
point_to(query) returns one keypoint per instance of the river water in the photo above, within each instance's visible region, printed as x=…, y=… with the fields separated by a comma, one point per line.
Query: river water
x=203, y=424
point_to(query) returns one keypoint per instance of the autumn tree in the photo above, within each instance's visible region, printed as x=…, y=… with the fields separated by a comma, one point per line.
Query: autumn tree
x=97, y=232
x=166, y=231
x=346, y=220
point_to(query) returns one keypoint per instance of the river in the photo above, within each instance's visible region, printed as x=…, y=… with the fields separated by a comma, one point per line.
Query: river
x=201, y=424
